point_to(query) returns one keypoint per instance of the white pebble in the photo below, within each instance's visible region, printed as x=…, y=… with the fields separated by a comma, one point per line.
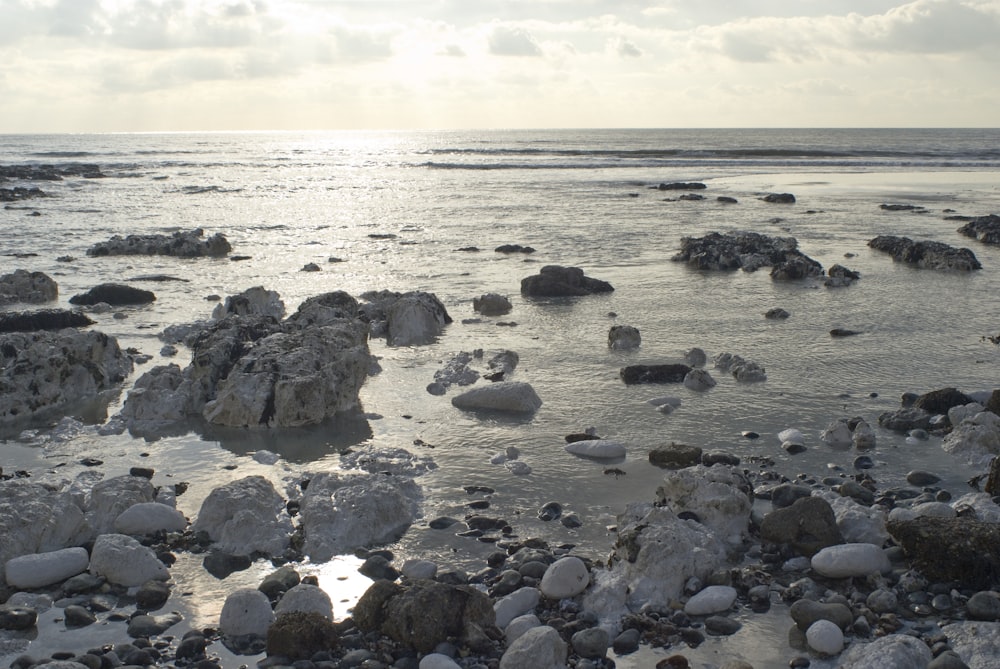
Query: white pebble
x=825, y=637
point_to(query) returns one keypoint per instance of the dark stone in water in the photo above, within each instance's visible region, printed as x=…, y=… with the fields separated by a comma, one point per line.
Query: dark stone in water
x=669, y=373
x=558, y=281
x=77, y=616
x=793, y=449
x=442, y=523
x=681, y=185
x=220, y=565
x=513, y=248
x=16, y=618
x=675, y=456
x=843, y=332
x=939, y=401
x=926, y=254
x=141, y=472
x=45, y=319
x=550, y=511
x=721, y=626
x=921, y=478
x=749, y=434
x=779, y=198
x=863, y=462
x=114, y=294
x=299, y=635
x=152, y=595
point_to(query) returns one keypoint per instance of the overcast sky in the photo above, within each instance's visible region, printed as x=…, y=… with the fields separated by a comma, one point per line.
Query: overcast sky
x=137, y=65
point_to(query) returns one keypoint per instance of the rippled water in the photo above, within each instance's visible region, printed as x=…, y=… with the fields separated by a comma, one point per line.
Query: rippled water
x=579, y=198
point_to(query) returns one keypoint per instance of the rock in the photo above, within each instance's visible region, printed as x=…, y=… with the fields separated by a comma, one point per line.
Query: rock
x=415, y=318
x=305, y=598
x=255, y=301
x=653, y=557
x=897, y=650
x=741, y=250
x=858, y=523
x=779, y=198
x=720, y=497
x=985, y=229
x=675, y=456
x=983, y=605
x=44, y=319
x=492, y=304
x=957, y=414
x=971, y=555
x=838, y=434
x=806, y=612
x=776, y=314
x=511, y=396
x=30, y=572
x=124, y=561
x=27, y=287
x=115, y=294
x=949, y=659
x=278, y=582
x=808, y=526
x=557, y=281
x=438, y=661
x=976, y=439
x=926, y=254
x=849, y=560
x=682, y=185
x=669, y=373
x=905, y=419
x=39, y=384
x=414, y=568
x=566, y=577
x=740, y=368
x=623, y=338
x=245, y=516
x=342, y=513
x=598, y=449
x=796, y=267
x=713, y=599
x=149, y=518
x=940, y=401
x=425, y=614
x=538, y=648
x=699, y=380
x=825, y=638
x=516, y=604
x=839, y=276
x=978, y=643
x=591, y=643
x=863, y=436
x=518, y=626
x=190, y=244
x=514, y=248
x=246, y=611
x=151, y=595
x=220, y=564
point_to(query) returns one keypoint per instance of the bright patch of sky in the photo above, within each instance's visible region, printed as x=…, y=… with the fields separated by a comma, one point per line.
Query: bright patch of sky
x=134, y=65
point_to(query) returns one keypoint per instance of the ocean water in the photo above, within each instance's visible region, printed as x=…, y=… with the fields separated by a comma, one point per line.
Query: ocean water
x=395, y=207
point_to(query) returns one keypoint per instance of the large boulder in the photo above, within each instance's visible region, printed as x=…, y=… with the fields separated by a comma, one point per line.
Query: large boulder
x=36, y=518
x=159, y=400
x=124, y=561
x=115, y=294
x=926, y=254
x=245, y=516
x=666, y=373
x=46, y=373
x=405, y=319
x=971, y=554
x=975, y=439
x=29, y=287
x=43, y=319
x=896, y=650
x=983, y=228
x=147, y=518
x=107, y=500
x=344, y=513
x=940, y=401
x=719, y=497
x=246, y=612
x=426, y=613
x=183, y=244
x=748, y=251
x=510, y=396
x=558, y=281
x=976, y=642
x=38, y=570
x=807, y=526
x=254, y=301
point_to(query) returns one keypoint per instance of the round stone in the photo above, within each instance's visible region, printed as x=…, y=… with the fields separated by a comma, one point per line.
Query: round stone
x=825, y=637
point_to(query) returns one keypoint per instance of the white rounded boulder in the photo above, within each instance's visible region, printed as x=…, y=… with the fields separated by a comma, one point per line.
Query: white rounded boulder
x=850, y=560
x=713, y=599
x=246, y=611
x=41, y=569
x=512, y=396
x=307, y=599
x=124, y=561
x=598, y=449
x=148, y=518
x=566, y=577
x=824, y=637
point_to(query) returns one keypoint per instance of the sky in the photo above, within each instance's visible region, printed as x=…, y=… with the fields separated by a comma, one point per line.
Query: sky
x=191, y=65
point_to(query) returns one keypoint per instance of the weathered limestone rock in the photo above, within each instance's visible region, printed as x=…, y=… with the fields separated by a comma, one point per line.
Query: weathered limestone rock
x=44, y=319
x=245, y=516
x=720, y=497
x=970, y=556
x=926, y=254
x=512, y=396
x=28, y=287
x=190, y=244
x=558, y=281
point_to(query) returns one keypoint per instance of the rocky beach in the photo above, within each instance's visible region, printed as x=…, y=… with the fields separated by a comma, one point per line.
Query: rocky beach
x=228, y=445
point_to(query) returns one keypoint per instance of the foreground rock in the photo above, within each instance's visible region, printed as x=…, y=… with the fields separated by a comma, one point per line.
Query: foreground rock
x=983, y=228
x=37, y=383
x=190, y=244
x=748, y=251
x=245, y=516
x=510, y=396
x=558, y=281
x=44, y=319
x=971, y=554
x=28, y=287
x=405, y=319
x=926, y=254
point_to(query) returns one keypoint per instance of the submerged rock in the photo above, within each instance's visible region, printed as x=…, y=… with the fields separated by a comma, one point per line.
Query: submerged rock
x=29, y=287
x=491, y=304
x=115, y=294
x=189, y=244
x=557, y=281
x=623, y=338
x=748, y=251
x=926, y=254
x=667, y=373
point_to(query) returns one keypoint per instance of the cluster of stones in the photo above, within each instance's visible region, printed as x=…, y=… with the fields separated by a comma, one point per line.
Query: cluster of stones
x=926, y=254
x=183, y=244
x=983, y=228
x=748, y=251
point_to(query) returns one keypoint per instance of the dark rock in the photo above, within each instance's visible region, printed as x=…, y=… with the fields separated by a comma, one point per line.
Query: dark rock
x=77, y=616
x=152, y=595
x=984, y=605
x=905, y=419
x=984, y=228
x=926, y=254
x=426, y=613
x=142, y=472
x=722, y=626
x=725, y=199
x=805, y=612
x=839, y=276
x=807, y=526
x=776, y=314
x=298, y=635
x=939, y=401
x=899, y=207
x=514, y=248
x=669, y=373
x=145, y=626
x=550, y=511
x=921, y=478
x=681, y=185
x=970, y=555
x=115, y=294
x=843, y=332
x=779, y=198
x=220, y=565
x=29, y=287
x=192, y=646
x=627, y=642
x=378, y=567
x=45, y=319
x=279, y=582
x=675, y=456
x=796, y=267
x=558, y=281
x=16, y=617
x=748, y=251
x=691, y=197
x=949, y=659
x=191, y=244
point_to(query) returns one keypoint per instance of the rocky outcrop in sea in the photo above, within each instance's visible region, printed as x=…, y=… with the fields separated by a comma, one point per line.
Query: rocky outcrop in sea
x=926, y=254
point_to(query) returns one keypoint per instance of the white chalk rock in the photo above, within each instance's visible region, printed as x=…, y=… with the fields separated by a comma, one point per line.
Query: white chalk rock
x=957, y=414
x=977, y=642
x=975, y=439
x=792, y=436
x=124, y=561
x=825, y=637
x=717, y=495
x=982, y=503
x=517, y=603
x=109, y=499
x=41, y=569
x=838, y=434
x=437, y=661
x=518, y=468
x=863, y=436
x=307, y=599
x=246, y=611
x=713, y=599
x=895, y=650
x=598, y=449
x=566, y=577
x=416, y=569
x=934, y=510
x=512, y=396
x=245, y=516
x=538, y=648
x=699, y=380
x=148, y=518
x=849, y=560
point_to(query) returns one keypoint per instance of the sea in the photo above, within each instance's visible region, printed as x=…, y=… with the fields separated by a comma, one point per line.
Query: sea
x=425, y=210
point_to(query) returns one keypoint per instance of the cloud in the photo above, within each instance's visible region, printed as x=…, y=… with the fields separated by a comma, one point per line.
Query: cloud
x=452, y=50
x=625, y=48
x=931, y=26
x=512, y=41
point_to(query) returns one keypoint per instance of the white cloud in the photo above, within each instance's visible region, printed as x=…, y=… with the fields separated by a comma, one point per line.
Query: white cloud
x=507, y=40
